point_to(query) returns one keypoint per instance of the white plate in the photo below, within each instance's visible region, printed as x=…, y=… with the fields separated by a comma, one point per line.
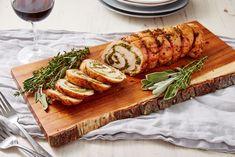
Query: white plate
x=145, y=4
x=147, y=10
x=139, y=15
x=149, y=1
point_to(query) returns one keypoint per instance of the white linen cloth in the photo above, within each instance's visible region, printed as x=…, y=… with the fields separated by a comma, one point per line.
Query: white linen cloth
x=206, y=122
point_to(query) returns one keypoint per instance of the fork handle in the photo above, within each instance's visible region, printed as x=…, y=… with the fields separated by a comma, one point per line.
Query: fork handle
x=35, y=145
x=32, y=152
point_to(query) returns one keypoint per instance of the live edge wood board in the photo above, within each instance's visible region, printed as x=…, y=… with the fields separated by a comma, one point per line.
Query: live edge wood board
x=62, y=124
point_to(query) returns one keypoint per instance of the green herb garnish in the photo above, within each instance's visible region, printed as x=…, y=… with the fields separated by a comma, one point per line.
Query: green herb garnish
x=171, y=81
x=46, y=77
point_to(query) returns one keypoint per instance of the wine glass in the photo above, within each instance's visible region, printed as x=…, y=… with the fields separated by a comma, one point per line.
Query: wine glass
x=33, y=11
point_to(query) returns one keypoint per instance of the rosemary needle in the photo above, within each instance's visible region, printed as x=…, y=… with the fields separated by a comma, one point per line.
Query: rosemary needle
x=46, y=77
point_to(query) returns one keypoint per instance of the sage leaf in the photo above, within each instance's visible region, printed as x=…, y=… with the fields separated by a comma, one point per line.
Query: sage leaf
x=146, y=84
x=39, y=96
x=36, y=97
x=160, y=87
x=159, y=76
x=171, y=81
x=171, y=92
x=43, y=100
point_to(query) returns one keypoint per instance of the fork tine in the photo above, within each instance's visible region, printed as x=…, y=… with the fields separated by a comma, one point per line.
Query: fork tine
x=3, y=105
x=3, y=133
x=7, y=104
x=2, y=110
x=4, y=130
x=7, y=133
x=1, y=137
x=6, y=101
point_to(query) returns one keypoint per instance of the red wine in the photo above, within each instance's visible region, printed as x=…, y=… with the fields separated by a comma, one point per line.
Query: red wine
x=33, y=10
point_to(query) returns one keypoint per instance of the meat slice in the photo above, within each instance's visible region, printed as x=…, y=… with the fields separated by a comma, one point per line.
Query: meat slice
x=165, y=49
x=101, y=72
x=199, y=42
x=187, y=37
x=130, y=38
x=64, y=99
x=124, y=56
x=174, y=38
x=67, y=88
x=134, y=40
x=79, y=78
x=150, y=43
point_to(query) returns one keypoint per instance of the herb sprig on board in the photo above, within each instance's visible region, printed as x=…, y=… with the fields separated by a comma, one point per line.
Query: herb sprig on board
x=46, y=77
x=171, y=81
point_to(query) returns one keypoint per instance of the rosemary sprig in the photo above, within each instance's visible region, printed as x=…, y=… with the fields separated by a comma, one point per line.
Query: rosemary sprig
x=46, y=77
x=171, y=81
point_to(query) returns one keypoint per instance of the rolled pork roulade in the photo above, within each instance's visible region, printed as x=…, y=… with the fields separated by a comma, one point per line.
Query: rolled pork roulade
x=152, y=48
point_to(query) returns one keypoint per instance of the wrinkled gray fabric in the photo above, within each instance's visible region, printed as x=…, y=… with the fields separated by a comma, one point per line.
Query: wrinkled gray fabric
x=206, y=122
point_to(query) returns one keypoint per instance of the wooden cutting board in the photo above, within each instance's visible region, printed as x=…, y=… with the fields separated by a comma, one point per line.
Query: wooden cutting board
x=62, y=124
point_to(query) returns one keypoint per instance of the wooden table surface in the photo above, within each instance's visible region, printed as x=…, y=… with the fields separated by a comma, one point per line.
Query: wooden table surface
x=90, y=16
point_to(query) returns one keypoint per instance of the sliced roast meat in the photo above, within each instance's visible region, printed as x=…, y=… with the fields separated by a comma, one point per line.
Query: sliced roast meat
x=64, y=99
x=124, y=56
x=79, y=78
x=67, y=88
x=101, y=72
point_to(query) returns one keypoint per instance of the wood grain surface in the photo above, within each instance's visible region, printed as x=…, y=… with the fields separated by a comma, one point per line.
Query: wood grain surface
x=62, y=124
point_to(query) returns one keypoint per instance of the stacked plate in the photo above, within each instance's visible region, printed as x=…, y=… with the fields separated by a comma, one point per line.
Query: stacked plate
x=145, y=8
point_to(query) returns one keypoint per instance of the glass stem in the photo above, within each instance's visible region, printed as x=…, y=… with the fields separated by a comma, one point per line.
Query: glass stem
x=35, y=35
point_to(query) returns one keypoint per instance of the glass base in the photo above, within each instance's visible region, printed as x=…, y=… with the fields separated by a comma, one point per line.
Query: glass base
x=35, y=53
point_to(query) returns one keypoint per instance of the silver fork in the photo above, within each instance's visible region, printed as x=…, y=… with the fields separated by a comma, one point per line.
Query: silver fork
x=7, y=140
x=7, y=111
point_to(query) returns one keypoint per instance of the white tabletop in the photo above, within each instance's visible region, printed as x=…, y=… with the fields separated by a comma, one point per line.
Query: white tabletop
x=90, y=16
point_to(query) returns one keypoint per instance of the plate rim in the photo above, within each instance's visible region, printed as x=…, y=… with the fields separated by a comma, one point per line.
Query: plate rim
x=145, y=5
x=110, y=8
x=162, y=1
x=184, y=3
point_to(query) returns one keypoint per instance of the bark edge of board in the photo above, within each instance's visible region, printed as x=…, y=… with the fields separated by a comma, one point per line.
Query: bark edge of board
x=141, y=108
